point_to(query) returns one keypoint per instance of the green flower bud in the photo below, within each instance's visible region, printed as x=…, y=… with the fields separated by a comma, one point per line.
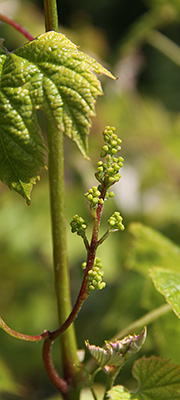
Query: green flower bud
x=93, y=196
x=84, y=265
x=115, y=222
x=78, y=225
x=95, y=275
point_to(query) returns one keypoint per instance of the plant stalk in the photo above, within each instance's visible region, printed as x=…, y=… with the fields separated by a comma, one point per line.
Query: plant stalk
x=58, y=220
x=56, y=184
x=51, y=15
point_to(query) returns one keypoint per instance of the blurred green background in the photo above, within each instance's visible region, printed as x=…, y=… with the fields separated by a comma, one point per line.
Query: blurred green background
x=138, y=41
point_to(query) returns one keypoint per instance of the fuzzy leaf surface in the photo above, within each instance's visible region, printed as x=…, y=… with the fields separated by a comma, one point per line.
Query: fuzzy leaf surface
x=157, y=379
x=52, y=74
x=168, y=284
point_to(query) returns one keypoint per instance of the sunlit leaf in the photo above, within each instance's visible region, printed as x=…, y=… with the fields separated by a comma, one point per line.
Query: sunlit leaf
x=168, y=284
x=52, y=74
x=157, y=378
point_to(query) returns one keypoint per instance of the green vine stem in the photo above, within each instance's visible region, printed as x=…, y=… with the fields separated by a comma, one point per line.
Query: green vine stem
x=57, y=203
x=15, y=25
x=56, y=183
x=51, y=16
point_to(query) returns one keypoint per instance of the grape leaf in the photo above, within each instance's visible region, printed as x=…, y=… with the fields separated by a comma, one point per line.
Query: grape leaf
x=52, y=74
x=168, y=284
x=157, y=378
x=150, y=248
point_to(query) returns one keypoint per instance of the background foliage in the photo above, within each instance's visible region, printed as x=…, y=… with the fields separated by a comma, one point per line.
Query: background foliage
x=144, y=106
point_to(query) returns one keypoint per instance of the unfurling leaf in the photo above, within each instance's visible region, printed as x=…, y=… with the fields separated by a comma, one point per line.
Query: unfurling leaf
x=157, y=378
x=116, y=353
x=52, y=74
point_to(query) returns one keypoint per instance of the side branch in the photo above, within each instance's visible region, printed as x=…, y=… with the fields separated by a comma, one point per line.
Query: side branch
x=83, y=293
x=21, y=336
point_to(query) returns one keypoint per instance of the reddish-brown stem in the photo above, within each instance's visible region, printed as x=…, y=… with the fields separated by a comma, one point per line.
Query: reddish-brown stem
x=15, y=25
x=58, y=382
x=49, y=337
x=83, y=294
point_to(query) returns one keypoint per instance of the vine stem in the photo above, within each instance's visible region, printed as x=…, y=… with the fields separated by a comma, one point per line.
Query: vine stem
x=83, y=294
x=58, y=220
x=59, y=383
x=57, y=200
x=51, y=16
x=8, y=20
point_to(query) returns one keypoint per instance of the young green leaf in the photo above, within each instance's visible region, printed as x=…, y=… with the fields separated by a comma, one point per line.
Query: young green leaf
x=168, y=284
x=52, y=74
x=120, y=393
x=157, y=380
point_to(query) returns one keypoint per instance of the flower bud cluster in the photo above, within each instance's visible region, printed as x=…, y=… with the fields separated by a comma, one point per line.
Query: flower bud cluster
x=93, y=196
x=95, y=275
x=112, y=142
x=115, y=222
x=78, y=225
x=108, y=171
